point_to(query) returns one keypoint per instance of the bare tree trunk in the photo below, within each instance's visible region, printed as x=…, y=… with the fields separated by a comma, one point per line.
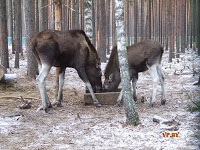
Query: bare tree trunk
x=58, y=21
x=32, y=69
x=88, y=19
x=114, y=38
x=107, y=26
x=148, y=20
x=127, y=20
x=18, y=31
x=43, y=19
x=13, y=27
x=3, y=35
x=58, y=14
x=51, y=14
x=36, y=16
x=132, y=117
x=198, y=27
x=177, y=29
x=183, y=25
x=135, y=20
x=171, y=27
x=10, y=21
x=75, y=15
x=142, y=20
x=102, y=31
x=82, y=12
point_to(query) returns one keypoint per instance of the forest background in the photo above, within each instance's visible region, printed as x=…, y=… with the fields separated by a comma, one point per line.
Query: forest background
x=174, y=23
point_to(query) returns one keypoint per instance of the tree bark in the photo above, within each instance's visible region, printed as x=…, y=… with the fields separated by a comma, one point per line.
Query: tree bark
x=32, y=68
x=3, y=35
x=18, y=31
x=132, y=117
x=107, y=26
x=142, y=20
x=183, y=25
x=198, y=27
x=58, y=21
x=43, y=19
x=114, y=38
x=135, y=20
x=102, y=31
x=88, y=19
x=58, y=14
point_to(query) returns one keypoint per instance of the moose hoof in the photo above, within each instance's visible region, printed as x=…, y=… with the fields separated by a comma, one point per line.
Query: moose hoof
x=142, y=99
x=57, y=103
x=40, y=108
x=118, y=104
x=97, y=104
x=45, y=109
x=151, y=104
x=163, y=102
x=135, y=99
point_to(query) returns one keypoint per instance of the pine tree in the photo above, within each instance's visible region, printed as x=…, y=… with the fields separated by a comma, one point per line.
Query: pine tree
x=3, y=35
x=30, y=31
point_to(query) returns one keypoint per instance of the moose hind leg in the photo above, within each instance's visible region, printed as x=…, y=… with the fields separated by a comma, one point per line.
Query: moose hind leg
x=155, y=78
x=42, y=87
x=161, y=77
x=134, y=82
x=59, y=93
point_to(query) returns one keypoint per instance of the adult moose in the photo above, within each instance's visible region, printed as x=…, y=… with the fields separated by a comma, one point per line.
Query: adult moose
x=142, y=56
x=66, y=49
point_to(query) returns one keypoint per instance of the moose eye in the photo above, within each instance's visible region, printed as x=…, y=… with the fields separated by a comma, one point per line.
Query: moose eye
x=110, y=78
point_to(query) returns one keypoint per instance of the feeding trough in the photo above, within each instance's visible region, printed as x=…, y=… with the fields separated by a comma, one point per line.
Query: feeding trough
x=108, y=98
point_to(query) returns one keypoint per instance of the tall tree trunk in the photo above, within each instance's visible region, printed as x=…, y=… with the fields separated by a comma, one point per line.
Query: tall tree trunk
x=58, y=14
x=198, y=27
x=43, y=19
x=114, y=37
x=10, y=21
x=18, y=31
x=177, y=29
x=58, y=21
x=3, y=35
x=183, y=25
x=132, y=117
x=13, y=27
x=32, y=69
x=107, y=26
x=88, y=19
x=148, y=20
x=51, y=14
x=36, y=16
x=127, y=20
x=75, y=17
x=135, y=20
x=102, y=31
x=142, y=20
x=194, y=22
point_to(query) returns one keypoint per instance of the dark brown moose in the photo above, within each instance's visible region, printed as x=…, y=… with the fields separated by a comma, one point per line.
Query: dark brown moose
x=66, y=49
x=142, y=56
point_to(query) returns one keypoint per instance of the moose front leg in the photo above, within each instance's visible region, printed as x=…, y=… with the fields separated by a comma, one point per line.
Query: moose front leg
x=83, y=76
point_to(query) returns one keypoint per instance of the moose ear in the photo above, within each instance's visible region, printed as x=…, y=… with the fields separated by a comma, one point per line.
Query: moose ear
x=110, y=78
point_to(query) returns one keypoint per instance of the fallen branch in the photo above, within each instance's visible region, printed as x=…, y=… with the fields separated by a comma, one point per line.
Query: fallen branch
x=14, y=97
x=24, y=104
x=166, y=124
